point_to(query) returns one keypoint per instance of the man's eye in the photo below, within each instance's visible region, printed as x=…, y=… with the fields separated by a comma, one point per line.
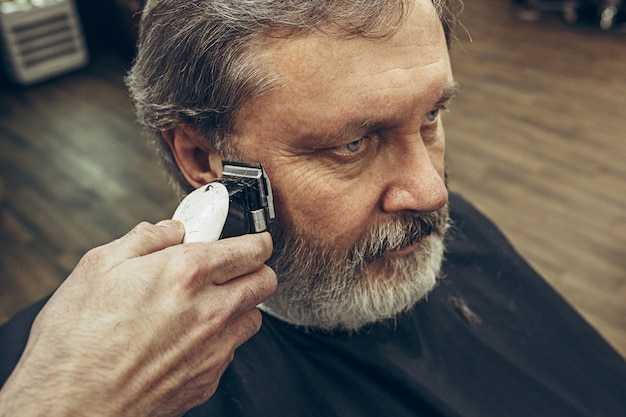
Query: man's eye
x=431, y=116
x=353, y=147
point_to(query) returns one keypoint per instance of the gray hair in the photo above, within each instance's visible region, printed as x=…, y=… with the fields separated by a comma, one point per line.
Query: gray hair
x=198, y=61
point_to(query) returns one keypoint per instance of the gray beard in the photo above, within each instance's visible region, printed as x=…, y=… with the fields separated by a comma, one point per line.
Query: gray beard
x=323, y=288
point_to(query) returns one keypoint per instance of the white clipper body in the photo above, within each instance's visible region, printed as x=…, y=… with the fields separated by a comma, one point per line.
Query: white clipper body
x=204, y=212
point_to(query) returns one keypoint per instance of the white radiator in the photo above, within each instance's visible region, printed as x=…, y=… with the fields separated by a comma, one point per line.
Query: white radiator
x=41, y=39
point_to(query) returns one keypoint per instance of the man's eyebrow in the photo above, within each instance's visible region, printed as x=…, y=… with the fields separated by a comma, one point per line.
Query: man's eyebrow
x=360, y=126
x=364, y=125
x=448, y=94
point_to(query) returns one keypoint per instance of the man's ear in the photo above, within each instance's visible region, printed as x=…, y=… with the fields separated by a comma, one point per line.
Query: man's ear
x=195, y=158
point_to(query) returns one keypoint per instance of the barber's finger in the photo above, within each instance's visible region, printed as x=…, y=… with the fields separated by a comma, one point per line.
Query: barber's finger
x=243, y=327
x=143, y=239
x=242, y=255
x=246, y=292
x=197, y=265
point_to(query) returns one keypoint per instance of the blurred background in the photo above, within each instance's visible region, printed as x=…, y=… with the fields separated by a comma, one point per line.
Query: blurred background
x=536, y=140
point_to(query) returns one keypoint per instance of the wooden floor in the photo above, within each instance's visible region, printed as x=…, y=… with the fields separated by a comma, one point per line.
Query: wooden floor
x=537, y=140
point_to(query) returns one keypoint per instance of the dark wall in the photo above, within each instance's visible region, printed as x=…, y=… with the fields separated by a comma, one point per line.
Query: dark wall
x=110, y=24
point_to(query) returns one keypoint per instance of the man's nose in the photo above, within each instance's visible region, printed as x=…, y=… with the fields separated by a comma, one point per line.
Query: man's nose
x=416, y=182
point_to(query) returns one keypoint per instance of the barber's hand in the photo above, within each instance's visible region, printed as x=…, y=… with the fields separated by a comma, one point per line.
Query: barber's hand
x=144, y=326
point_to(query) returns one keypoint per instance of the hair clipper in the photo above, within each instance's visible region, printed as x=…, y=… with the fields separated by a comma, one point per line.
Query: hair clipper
x=238, y=203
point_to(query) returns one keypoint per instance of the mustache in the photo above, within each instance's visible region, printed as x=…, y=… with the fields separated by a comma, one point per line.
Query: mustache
x=293, y=252
x=402, y=231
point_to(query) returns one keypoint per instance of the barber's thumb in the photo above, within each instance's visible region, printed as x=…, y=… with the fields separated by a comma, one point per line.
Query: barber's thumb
x=146, y=238
x=172, y=224
x=173, y=229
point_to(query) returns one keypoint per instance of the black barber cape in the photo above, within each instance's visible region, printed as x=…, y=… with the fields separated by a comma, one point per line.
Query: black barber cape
x=493, y=339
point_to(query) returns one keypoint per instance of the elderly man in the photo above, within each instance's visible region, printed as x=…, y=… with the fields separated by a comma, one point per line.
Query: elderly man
x=341, y=101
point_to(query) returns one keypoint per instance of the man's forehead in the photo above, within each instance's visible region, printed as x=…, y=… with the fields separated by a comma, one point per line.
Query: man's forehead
x=325, y=69
x=325, y=84
x=304, y=55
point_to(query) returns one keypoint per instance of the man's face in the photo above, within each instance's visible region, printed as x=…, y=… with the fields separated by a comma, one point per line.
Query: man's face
x=354, y=147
